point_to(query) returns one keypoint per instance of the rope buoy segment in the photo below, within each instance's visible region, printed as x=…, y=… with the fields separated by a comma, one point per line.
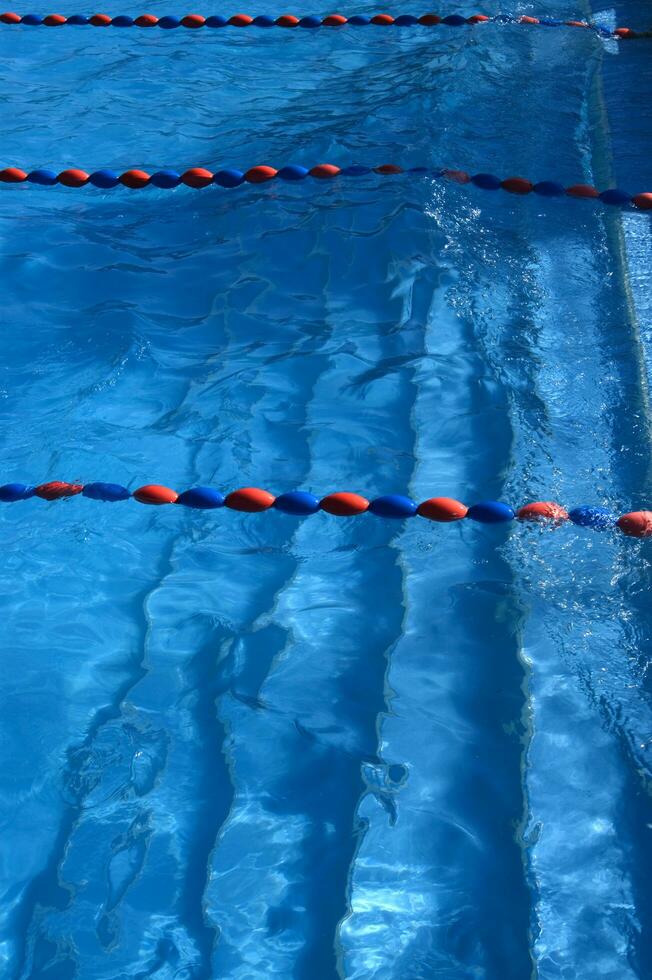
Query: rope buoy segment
x=444, y=510
x=199, y=177
x=288, y=21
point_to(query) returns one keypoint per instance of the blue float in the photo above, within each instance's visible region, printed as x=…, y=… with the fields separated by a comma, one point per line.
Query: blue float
x=356, y=170
x=297, y=502
x=490, y=512
x=105, y=178
x=549, y=188
x=393, y=505
x=47, y=178
x=615, y=196
x=599, y=518
x=109, y=492
x=293, y=172
x=11, y=492
x=165, y=179
x=488, y=182
x=201, y=498
x=229, y=178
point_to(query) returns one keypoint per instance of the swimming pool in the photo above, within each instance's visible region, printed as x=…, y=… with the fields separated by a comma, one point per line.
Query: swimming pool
x=245, y=745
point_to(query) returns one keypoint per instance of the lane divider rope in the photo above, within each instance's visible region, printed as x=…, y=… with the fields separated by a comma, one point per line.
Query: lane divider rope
x=195, y=21
x=637, y=524
x=199, y=177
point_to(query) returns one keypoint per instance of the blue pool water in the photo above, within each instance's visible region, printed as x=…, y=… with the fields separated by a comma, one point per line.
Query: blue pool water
x=246, y=746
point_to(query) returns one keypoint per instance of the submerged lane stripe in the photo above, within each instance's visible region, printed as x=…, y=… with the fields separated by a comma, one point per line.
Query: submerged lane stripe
x=198, y=177
x=288, y=21
x=444, y=510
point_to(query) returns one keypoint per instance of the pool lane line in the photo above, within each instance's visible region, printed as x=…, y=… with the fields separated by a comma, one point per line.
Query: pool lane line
x=289, y=21
x=299, y=503
x=199, y=177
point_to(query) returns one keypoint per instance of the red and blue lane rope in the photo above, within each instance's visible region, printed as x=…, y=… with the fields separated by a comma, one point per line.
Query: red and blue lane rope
x=199, y=177
x=444, y=510
x=288, y=21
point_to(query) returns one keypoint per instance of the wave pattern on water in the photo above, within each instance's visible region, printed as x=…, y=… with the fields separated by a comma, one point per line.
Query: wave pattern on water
x=240, y=746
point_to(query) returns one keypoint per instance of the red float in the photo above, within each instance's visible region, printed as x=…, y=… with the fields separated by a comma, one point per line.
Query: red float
x=324, y=170
x=193, y=21
x=383, y=20
x=344, y=504
x=643, y=201
x=55, y=490
x=135, y=179
x=100, y=20
x=286, y=20
x=517, y=185
x=54, y=20
x=154, y=493
x=442, y=509
x=582, y=190
x=388, y=168
x=73, y=178
x=334, y=20
x=477, y=19
x=259, y=175
x=10, y=18
x=250, y=499
x=458, y=176
x=146, y=20
x=637, y=524
x=528, y=20
x=430, y=20
x=240, y=20
x=197, y=177
x=542, y=510
x=12, y=175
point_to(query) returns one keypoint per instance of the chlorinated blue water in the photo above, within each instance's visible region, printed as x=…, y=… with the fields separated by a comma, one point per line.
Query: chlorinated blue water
x=246, y=746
